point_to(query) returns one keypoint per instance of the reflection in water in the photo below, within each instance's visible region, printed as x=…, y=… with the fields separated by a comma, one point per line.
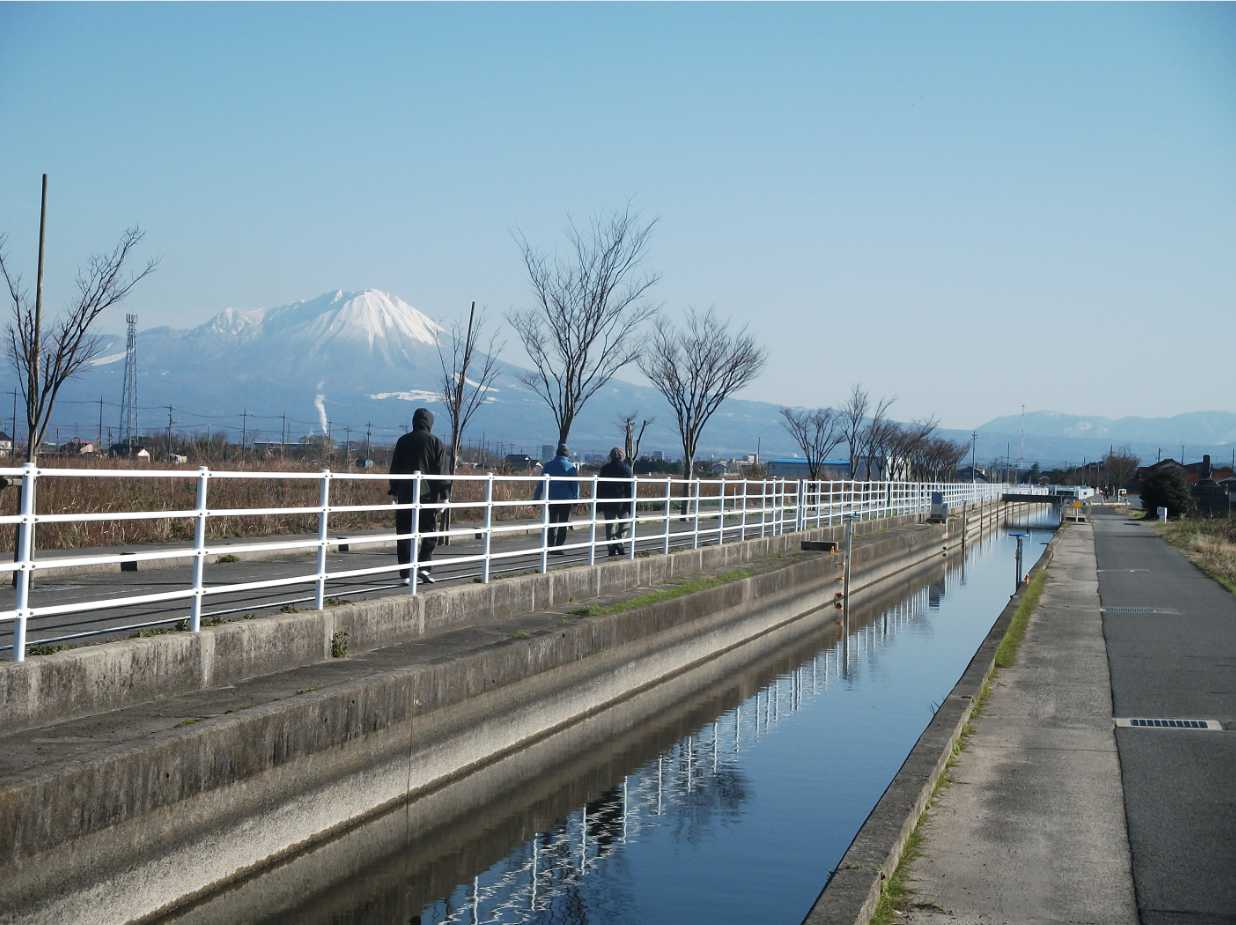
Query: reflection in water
x=725, y=794
x=691, y=787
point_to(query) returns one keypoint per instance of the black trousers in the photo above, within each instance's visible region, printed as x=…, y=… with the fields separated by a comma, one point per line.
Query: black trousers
x=559, y=513
x=427, y=523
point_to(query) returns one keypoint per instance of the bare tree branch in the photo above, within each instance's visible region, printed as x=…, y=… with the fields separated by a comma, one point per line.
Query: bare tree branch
x=698, y=367
x=817, y=434
x=632, y=438
x=584, y=326
x=69, y=344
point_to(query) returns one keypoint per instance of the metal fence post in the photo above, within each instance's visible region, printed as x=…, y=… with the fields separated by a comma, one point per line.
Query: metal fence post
x=489, y=526
x=800, y=521
x=199, y=552
x=592, y=527
x=319, y=598
x=545, y=525
x=694, y=488
x=25, y=557
x=764, y=506
x=669, y=503
x=634, y=514
x=721, y=516
x=742, y=523
x=415, y=565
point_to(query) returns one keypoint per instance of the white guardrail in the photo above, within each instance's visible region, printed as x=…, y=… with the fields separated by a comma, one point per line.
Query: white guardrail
x=671, y=512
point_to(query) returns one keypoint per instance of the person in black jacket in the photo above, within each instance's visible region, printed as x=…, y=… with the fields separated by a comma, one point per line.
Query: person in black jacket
x=418, y=451
x=617, y=505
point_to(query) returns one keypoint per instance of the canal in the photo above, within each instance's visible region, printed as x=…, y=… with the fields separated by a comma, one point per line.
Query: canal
x=727, y=800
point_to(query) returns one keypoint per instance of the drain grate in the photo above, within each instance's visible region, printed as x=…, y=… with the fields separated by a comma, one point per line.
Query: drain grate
x=1140, y=610
x=1147, y=723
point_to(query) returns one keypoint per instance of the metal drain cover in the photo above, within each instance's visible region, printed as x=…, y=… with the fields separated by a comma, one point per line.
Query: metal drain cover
x=1147, y=723
x=1131, y=611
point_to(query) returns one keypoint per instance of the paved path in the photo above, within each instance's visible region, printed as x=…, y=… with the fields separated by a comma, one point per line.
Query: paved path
x=1179, y=786
x=1032, y=829
x=56, y=589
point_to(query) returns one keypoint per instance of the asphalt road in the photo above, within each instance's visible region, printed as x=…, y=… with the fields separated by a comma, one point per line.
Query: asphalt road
x=1178, y=662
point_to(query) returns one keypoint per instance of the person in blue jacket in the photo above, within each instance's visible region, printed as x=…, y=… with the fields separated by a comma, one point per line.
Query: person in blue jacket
x=562, y=494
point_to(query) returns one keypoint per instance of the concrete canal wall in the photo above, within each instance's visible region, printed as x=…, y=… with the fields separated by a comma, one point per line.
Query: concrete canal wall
x=157, y=809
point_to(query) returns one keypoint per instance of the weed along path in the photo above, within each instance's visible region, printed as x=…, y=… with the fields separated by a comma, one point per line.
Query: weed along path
x=725, y=793
x=1028, y=823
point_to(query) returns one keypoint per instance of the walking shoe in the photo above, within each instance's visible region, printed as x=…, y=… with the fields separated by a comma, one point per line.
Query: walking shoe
x=405, y=581
x=424, y=577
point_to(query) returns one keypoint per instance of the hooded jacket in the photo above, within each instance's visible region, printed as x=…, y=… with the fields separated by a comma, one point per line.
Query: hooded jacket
x=420, y=451
x=559, y=489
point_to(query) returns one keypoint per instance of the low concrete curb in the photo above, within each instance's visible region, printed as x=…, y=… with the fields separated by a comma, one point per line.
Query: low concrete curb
x=109, y=676
x=853, y=891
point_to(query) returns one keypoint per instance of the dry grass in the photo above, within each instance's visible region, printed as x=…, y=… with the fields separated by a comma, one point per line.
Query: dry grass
x=1210, y=544
x=99, y=495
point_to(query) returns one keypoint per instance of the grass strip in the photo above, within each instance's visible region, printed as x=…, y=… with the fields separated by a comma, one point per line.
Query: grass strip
x=1006, y=653
x=691, y=586
x=1210, y=544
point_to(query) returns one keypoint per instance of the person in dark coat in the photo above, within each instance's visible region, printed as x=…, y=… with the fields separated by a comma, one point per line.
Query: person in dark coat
x=563, y=493
x=614, y=499
x=418, y=451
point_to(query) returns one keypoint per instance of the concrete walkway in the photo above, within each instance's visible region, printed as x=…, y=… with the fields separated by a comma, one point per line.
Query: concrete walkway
x=1032, y=829
x=1173, y=657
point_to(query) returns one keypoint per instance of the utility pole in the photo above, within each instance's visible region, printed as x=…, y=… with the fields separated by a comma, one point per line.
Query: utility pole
x=32, y=383
x=283, y=436
x=973, y=456
x=368, y=437
x=327, y=447
x=170, y=423
x=99, y=440
x=347, y=444
x=244, y=431
x=1021, y=452
x=13, y=432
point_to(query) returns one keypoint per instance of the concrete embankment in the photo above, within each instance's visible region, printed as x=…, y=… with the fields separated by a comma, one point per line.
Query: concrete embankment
x=138, y=807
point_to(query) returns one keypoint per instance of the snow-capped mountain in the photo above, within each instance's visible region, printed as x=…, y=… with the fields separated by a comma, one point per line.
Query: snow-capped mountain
x=346, y=359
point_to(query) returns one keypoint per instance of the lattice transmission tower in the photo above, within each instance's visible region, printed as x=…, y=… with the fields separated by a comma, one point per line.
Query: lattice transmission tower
x=128, y=399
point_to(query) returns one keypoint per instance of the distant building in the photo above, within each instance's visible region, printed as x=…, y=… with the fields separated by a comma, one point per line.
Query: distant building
x=796, y=468
x=520, y=462
x=1191, y=471
x=977, y=474
x=77, y=447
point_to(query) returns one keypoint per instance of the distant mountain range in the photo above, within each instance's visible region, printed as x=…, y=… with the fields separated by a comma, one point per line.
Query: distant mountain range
x=1054, y=438
x=347, y=360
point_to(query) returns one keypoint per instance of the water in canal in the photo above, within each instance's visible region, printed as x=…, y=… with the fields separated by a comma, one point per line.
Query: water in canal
x=728, y=805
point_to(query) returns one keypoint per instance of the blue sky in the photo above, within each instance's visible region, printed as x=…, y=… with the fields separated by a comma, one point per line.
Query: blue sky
x=948, y=203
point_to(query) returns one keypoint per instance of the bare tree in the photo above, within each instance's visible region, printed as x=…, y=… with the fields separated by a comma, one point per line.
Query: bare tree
x=631, y=437
x=467, y=374
x=584, y=326
x=45, y=360
x=853, y=415
x=1120, y=466
x=817, y=434
x=696, y=368
x=876, y=435
x=463, y=395
x=900, y=442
